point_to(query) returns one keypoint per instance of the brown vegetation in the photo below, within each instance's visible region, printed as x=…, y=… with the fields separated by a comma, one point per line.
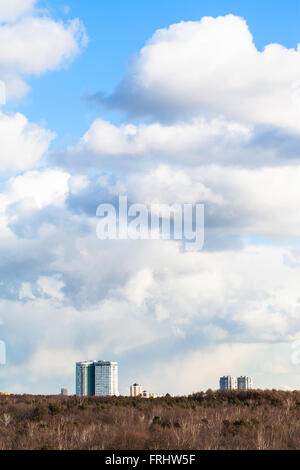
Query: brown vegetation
x=212, y=420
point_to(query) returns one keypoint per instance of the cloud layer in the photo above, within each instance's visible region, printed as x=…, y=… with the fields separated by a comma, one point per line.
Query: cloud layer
x=223, y=131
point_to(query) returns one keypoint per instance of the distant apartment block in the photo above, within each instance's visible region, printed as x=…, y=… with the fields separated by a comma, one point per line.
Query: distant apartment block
x=135, y=390
x=228, y=382
x=64, y=392
x=245, y=383
x=96, y=378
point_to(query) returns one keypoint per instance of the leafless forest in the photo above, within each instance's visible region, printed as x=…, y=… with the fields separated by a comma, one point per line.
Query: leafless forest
x=206, y=420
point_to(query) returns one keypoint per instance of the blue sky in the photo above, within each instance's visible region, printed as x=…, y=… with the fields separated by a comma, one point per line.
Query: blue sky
x=188, y=102
x=117, y=30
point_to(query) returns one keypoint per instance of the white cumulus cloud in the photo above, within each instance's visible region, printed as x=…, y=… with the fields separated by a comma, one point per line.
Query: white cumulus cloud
x=213, y=66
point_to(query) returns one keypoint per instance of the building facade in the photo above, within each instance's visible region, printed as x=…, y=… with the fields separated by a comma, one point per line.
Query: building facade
x=99, y=378
x=228, y=382
x=106, y=378
x=245, y=383
x=85, y=378
x=135, y=390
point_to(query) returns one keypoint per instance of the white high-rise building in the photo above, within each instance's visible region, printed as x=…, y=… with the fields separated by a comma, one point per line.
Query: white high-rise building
x=96, y=378
x=245, y=383
x=106, y=378
x=228, y=382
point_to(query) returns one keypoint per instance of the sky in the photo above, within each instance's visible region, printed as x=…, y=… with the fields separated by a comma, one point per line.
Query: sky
x=168, y=102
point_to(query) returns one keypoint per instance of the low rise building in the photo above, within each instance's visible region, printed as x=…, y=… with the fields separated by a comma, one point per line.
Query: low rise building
x=135, y=390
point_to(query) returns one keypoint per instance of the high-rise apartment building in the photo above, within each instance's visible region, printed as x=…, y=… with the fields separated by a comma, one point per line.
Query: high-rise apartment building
x=106, y=378
x=85, y=378
x=228, y=382
x=245, y=383
x=98, y=378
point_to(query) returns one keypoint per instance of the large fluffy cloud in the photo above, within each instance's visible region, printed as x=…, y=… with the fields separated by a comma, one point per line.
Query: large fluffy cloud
x=212, y=66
